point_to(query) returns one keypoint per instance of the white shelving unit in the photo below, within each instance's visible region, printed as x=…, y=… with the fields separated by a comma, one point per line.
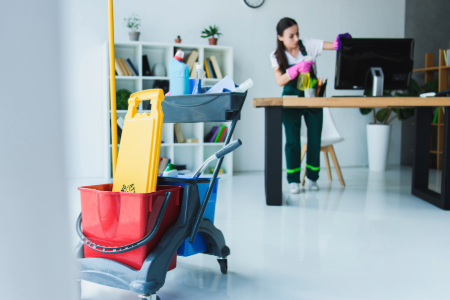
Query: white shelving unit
x=191, y=155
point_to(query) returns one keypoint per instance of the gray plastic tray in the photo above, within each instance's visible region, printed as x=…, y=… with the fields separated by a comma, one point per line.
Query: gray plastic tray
x=202, y=107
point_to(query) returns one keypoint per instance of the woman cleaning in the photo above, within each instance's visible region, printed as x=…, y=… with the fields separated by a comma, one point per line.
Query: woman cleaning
x=292, y=57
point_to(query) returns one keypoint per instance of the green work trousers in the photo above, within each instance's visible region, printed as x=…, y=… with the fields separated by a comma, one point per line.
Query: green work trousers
x=292, y=118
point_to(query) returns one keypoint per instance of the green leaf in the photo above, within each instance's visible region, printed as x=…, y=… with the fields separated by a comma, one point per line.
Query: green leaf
x=406, y=113
x=382, y=114
x=431, y=86
x=122, y=97
x=365, y=111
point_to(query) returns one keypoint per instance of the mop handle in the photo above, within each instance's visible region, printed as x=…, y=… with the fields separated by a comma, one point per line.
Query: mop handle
x=129, y=247
x=219, y=154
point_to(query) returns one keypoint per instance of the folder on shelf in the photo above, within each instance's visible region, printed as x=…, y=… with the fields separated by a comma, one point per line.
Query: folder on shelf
x=216, y=67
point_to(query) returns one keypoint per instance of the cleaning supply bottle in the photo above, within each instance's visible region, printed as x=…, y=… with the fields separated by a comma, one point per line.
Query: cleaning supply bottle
x=244, y=86
x=170, y=171
x=200, y=80
x=179, y=75
x=304, y=79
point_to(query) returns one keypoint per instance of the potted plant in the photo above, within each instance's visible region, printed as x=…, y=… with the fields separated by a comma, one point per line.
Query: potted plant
x=378, y=132
x=133, y=23
x=178, y=40
x=211, y=34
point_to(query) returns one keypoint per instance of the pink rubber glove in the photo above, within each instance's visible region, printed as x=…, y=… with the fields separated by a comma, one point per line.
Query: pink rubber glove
x=301, y=67
x=337, y=41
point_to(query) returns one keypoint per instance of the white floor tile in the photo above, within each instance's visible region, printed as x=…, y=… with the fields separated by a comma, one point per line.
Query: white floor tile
x=369, y=240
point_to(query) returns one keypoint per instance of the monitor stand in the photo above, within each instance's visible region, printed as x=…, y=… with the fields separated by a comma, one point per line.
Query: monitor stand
x=378, y=81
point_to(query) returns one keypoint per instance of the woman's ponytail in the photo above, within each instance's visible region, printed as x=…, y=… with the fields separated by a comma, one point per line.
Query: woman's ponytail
x=282, y=25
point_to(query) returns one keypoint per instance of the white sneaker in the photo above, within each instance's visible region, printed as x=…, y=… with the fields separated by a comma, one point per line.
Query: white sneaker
x=313, y=185
x=294, y=187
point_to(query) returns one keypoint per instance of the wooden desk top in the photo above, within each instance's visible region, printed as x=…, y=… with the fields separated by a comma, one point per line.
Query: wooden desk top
x=368, y=102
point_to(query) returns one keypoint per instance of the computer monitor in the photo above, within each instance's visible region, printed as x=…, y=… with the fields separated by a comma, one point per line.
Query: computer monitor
x=358, y=59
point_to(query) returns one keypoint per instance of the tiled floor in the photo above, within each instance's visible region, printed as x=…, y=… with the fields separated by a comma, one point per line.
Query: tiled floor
x=369, y=240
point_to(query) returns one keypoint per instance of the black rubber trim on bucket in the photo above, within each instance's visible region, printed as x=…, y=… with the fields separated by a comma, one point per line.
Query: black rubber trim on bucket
x=129, y=247
x=183, y=180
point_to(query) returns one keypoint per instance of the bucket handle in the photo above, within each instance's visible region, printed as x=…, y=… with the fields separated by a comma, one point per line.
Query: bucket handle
x=129, y=247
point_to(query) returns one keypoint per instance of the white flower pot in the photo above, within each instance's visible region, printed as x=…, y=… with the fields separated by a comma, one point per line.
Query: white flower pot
x=378, y=145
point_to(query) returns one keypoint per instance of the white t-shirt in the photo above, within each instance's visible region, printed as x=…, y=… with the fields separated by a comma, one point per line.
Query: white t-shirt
x=313, y=48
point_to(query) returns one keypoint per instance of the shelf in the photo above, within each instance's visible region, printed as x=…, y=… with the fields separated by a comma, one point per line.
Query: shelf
x=446, y=67
x=186, y=144
x=127, y=77
x=435, y=152
x=190, y=154
x=437, y=124
x=155, y=78
x=212, y=80
x=432, y=69
x=214, y=144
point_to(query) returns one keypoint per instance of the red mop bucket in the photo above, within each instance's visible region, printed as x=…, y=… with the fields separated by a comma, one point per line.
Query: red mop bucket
x=115, y=219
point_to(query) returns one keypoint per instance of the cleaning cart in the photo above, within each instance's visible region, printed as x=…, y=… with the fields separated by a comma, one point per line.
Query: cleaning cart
x=130, y=231
x=169, y=216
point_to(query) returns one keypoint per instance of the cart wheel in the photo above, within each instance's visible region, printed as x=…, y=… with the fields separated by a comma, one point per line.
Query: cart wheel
x=223, y=265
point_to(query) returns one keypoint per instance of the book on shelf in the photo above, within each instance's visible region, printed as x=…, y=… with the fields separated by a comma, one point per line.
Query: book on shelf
x=447, y=57
x=129, y=67
x=132, y=67
x=191, y=141
x=146, y=71
x=208, y=74
x=224, y=134
x=219, y=134
x=125, y=67
x=163, y=162
x=122, y=67
x=193, y=73
x=212, y=134
x=211, y=70
x=178, y=133
x=191, y=59
x=216, y=67
x=118, y=68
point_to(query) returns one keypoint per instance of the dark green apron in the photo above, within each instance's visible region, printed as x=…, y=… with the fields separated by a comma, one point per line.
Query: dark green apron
x=292, y=118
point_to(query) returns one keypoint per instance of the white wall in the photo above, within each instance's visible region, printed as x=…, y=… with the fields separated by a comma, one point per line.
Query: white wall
x=252, y=34
x=35, y=255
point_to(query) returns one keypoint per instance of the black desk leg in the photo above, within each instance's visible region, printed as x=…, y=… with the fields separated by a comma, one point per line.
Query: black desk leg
x=273, y=155
x=422, y=160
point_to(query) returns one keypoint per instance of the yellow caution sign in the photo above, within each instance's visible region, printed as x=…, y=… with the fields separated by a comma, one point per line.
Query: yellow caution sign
x=138, y=161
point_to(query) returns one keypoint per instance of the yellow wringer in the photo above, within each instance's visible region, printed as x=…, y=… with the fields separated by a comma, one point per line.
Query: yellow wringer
x=137, y=164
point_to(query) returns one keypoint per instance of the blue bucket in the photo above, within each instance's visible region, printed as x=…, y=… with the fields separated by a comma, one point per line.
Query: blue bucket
x=199, y=245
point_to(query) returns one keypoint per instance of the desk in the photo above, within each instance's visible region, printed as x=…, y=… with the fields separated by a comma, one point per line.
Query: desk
x=273, y=139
